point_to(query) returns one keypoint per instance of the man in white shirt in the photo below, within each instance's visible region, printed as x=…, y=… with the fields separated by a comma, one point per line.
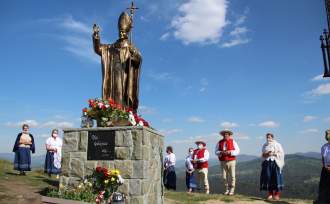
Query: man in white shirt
x=200, y=160
x=227, y=150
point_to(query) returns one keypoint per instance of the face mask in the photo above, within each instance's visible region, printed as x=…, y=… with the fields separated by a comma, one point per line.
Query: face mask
x=191, y=152
x=200, y=146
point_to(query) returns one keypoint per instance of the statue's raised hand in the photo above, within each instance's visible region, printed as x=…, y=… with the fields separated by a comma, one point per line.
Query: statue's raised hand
x=96, y=29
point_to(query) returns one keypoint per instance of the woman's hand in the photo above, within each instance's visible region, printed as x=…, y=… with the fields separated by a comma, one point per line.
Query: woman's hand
x=327, y=168
x=265, y=154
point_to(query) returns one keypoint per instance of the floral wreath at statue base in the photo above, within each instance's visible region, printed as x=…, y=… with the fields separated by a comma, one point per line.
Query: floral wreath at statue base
x=109, y=114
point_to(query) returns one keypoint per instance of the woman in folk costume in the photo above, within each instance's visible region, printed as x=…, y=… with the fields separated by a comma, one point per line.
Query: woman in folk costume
x=227, y=149
x=271, y=178
x=169, y=169
x=53, y=155
x=190, y=177
x=201, y=165
x=23, y=147
x=324, y=186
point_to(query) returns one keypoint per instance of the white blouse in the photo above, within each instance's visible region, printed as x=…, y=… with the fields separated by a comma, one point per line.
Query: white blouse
x=54, y=143
x=189, y=165
x=325, y=152
x=169, y=160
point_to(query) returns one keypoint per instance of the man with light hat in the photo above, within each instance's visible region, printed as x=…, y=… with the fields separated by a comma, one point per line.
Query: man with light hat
x=200, y=160
x=227, y=150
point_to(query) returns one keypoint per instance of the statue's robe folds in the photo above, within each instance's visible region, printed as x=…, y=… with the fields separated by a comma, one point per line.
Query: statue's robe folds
x=120, y=73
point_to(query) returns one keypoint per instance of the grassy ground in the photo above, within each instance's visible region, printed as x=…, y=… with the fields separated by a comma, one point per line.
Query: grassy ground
x=15, y=189
x=197, y=198
x=22, y=189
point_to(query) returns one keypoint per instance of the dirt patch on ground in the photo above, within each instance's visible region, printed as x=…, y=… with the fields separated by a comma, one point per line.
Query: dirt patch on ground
x=18, y=192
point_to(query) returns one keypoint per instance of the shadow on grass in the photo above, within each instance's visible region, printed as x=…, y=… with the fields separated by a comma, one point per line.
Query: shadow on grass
x=50, y=182
x=46, y=191
x=269, y=201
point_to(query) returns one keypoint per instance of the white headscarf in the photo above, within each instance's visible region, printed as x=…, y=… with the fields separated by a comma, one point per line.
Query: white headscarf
x=277, y=149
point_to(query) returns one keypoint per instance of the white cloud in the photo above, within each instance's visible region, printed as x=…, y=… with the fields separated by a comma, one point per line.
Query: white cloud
x=310, y=131
x=327, y=120
x=81, y=46
x=309, y=118
x=210, y=138
x=161, y=76
x=164, y=77
x=240, y=20
x=168, y=132
x=228, y=125
x=167, y=120
x=319, y=78
x=44, y=135
x=260, y=137
x=235, y=42
x=57, y=124
x=76, y=36
x=35, y=124
x=200, y=21
x=238, y=31
x=238, y=35
x=204, y=84
x=165, y=36
x=74, y=25
x=195, y=119
x=269, y=124
x=241, y=136
x=239, y=38
x=322, y=89
x=31, y=123
x=146, y=110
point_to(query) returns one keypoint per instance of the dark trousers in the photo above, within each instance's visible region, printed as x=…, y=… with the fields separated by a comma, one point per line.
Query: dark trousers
x=324, y=187
x=170, y=178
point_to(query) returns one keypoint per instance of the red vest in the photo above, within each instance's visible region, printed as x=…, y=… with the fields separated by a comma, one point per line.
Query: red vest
x=230, y=146
x=199, y=154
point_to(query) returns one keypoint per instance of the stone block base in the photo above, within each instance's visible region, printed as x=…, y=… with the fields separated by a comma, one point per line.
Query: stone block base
x=138, y=156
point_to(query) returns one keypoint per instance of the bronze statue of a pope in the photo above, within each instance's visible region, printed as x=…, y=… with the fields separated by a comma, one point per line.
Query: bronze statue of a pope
x=121, y=63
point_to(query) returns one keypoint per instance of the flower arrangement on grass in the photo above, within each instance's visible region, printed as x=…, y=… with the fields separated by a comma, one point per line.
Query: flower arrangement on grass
x=107, y=113
x=97, y=187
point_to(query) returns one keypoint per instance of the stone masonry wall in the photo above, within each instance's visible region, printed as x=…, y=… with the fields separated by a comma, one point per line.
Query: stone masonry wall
x=138, y=156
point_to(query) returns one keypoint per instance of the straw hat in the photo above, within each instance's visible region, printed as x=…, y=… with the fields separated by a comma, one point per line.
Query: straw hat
x=200, y=142
x=226, y=131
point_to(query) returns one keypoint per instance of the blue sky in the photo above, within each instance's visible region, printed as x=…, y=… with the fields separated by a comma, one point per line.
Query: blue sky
x=251, y=66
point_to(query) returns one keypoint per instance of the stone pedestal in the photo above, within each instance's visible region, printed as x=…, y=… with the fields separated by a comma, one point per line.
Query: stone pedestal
x=138, y=156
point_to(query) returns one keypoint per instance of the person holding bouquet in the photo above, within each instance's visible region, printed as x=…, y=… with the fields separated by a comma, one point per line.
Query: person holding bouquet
x=23, y=147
